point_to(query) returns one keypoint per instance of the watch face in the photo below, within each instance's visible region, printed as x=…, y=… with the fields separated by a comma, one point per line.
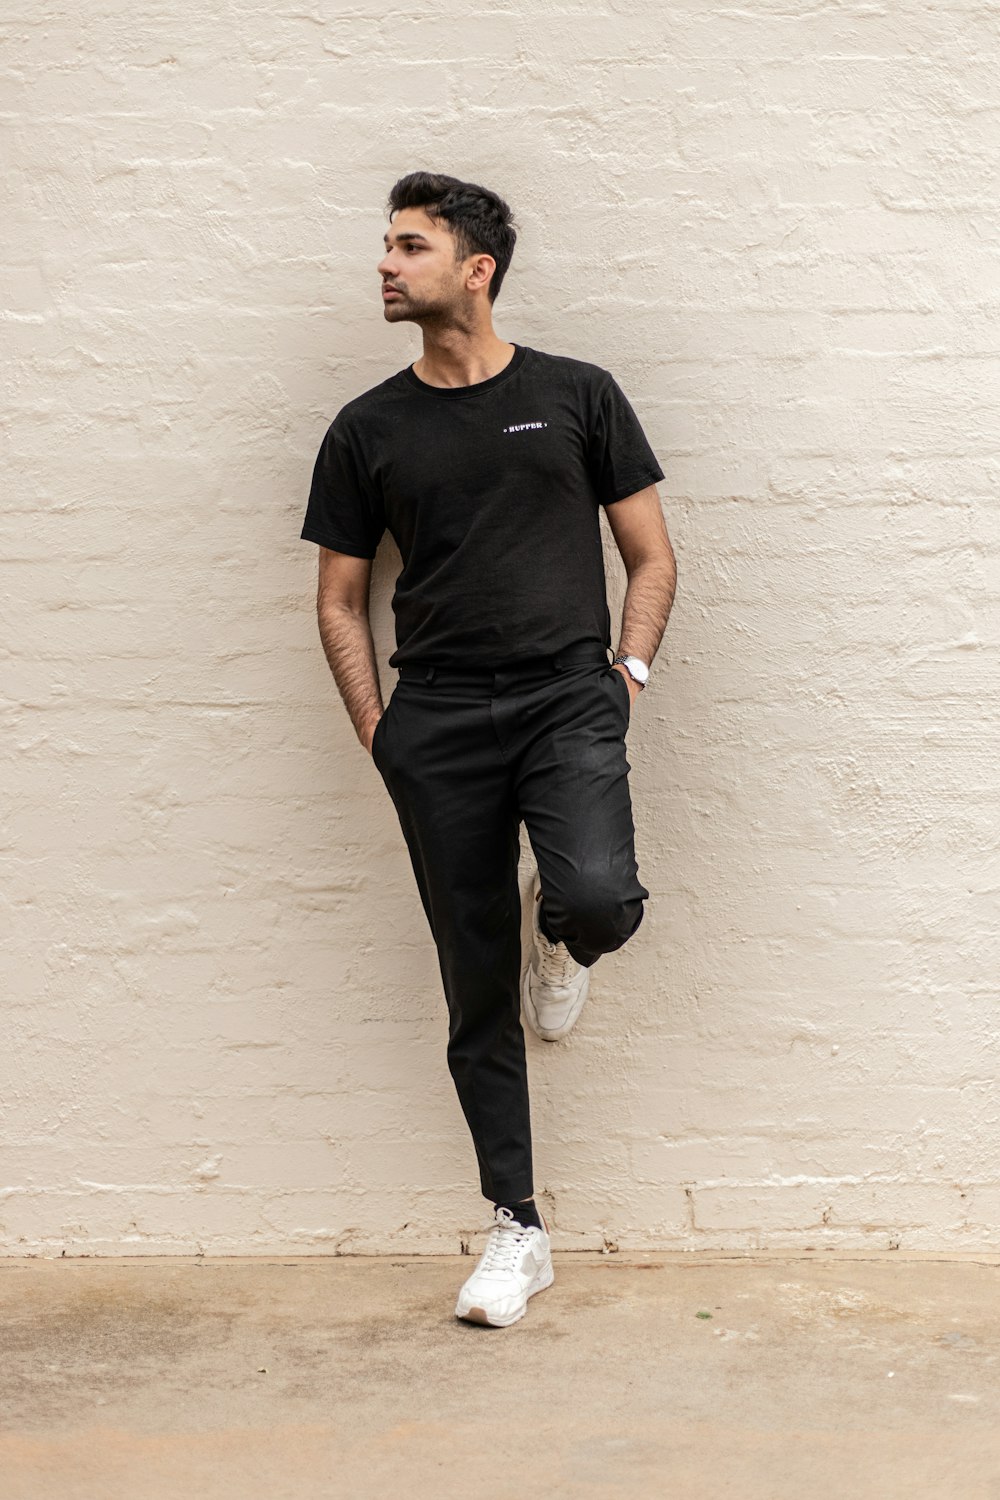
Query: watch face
x=638, y=668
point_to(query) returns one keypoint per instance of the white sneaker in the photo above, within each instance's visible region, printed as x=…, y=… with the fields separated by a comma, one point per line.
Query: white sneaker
x=554, y=986
x=516, y=1263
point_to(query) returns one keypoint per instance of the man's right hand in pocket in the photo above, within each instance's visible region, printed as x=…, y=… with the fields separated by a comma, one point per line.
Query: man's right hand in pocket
x=370, y=733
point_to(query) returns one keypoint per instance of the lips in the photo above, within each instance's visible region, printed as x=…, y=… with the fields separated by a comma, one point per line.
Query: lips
x=391, y=291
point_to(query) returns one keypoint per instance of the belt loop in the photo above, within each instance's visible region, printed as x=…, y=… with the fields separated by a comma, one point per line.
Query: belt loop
x=430, y=673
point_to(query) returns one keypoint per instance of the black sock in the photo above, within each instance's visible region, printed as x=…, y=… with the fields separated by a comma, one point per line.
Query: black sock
x=526, y=1214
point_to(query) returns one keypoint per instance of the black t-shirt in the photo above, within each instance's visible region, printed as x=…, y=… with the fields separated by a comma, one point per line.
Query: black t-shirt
x=491, y=492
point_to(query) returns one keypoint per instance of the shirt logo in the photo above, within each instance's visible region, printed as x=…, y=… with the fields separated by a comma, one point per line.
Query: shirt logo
x=523, y=426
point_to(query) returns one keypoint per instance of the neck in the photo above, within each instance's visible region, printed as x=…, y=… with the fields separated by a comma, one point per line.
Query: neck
x=462, y=356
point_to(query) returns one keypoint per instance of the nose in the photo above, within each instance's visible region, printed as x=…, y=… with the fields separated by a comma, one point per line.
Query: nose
x=386, y=266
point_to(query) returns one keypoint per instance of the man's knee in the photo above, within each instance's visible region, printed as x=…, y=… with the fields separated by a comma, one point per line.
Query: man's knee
x=593, y=908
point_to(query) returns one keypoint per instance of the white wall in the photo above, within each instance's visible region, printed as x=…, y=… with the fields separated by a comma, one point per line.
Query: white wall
x=778, y=226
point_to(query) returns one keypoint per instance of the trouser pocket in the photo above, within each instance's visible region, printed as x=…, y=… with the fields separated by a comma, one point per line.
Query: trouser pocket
x=377, y=738
x=622, y=693
x=379, y=735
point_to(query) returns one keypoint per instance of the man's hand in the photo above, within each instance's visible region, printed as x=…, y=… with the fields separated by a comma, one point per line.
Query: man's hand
x=370, y=732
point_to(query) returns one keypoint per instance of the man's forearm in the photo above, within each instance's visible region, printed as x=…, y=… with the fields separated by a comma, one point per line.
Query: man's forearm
x=648, y=601
x=350, y=651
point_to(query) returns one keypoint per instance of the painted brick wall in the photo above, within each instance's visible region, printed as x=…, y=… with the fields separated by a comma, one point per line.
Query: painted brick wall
x=778, y=225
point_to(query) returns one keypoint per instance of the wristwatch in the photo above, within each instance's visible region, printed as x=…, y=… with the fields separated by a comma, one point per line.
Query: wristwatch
x=635, y=667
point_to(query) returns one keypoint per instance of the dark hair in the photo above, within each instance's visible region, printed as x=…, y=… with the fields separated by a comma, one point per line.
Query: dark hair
x=479, y=219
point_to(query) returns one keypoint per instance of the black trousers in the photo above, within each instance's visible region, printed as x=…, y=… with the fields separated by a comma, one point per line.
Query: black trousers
x=466, y=755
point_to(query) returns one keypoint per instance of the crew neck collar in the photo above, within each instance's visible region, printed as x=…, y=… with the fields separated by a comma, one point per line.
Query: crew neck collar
x=457, y=392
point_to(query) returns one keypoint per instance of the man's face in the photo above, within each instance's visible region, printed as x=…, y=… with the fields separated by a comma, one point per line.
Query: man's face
x=420, y=276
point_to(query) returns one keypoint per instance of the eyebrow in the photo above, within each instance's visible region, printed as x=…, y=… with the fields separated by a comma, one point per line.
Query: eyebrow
x=408, y=234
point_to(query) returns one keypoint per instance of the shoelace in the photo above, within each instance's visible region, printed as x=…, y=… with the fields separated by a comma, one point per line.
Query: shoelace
x=556, y=964
x=505, y=1243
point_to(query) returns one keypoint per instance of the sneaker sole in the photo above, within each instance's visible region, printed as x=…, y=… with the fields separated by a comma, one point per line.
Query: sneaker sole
x=545, y=1278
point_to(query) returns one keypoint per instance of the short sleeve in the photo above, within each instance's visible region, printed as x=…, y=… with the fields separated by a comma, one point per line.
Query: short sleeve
x=344, y=511
x=621, y=460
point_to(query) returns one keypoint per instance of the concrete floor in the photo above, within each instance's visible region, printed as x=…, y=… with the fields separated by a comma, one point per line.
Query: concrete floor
x=843, y=1376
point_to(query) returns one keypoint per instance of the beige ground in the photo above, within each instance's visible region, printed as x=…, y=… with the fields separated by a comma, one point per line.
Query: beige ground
x=290, y=1379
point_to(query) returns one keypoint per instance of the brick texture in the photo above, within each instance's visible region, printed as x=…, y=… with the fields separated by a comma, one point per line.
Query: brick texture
x=222, y=1027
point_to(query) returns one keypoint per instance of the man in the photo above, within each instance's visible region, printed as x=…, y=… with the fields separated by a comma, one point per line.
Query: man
x=488, y=461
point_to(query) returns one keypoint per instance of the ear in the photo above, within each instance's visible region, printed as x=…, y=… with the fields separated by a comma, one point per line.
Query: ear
x=480, y=272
